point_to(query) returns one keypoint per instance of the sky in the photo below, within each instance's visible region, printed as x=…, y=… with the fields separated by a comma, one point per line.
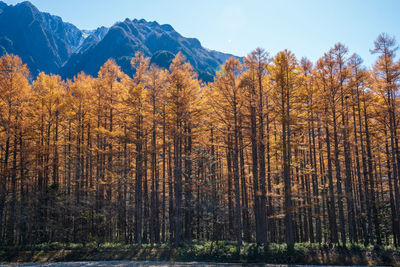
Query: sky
x=309, y=28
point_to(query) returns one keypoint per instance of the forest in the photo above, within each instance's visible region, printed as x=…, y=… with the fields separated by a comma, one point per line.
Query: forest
x=274, y=150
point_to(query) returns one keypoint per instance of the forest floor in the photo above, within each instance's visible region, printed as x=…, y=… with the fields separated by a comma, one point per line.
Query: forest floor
x=204, y=254
x=150, y=264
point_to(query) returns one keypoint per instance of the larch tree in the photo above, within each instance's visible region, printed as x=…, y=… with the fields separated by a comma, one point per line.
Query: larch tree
x=230, y=96
x=285, y=77
x=272, y=151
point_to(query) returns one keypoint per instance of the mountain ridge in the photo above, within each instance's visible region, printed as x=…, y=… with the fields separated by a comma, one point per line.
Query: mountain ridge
x=46, y=43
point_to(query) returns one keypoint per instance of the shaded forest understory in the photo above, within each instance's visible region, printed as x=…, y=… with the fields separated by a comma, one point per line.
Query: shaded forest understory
x=275, y=150
x=217, y=252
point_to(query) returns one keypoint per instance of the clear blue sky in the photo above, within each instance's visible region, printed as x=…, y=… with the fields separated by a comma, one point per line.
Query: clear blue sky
x=308, y=27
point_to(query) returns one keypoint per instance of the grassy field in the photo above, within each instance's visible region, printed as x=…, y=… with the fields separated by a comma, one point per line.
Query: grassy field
x=303, y=253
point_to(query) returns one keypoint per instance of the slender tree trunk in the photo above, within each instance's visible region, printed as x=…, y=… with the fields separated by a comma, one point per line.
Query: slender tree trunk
x=338, y=180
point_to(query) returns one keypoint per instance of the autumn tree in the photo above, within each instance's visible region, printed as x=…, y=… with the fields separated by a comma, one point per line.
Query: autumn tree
x=285, y=76
x=230, y=103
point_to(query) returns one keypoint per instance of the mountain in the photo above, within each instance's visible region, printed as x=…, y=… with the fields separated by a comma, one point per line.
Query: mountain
x=46, y=43
x=43, y=41
x=125, y=38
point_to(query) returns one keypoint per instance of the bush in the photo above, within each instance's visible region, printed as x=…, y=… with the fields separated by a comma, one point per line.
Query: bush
x=221, y=251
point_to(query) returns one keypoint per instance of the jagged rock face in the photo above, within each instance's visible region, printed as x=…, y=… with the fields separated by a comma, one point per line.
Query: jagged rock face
x=43, y=41
x=48, y=44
